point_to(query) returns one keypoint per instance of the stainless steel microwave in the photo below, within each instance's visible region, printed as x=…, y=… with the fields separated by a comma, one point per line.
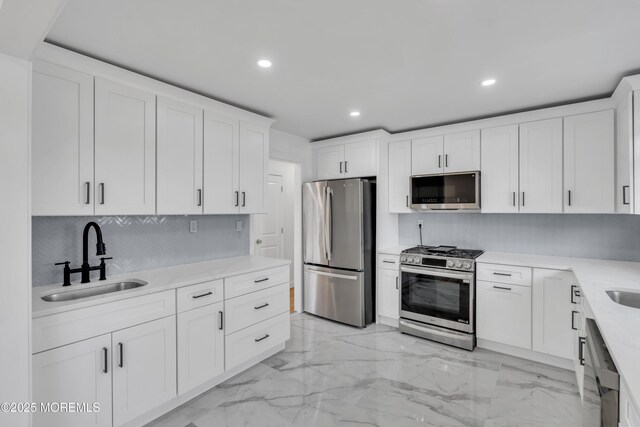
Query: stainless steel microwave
x=448, y=191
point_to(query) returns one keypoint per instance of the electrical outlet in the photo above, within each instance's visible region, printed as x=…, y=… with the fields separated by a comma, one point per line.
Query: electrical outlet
x=238, y=226
x=420, y=222
x=193, y=226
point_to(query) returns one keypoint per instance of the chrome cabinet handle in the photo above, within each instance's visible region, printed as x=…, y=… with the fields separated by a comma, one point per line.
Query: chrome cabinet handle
x=121, y=364
x=202, y=295
x=237, y=198
x=573, y=314
x=523, y=198
x=346, y=163
x=397, y=283
x=439, y=160
x=624, y=195
x=266, y=304
x=340, y=167
x=501, y=274
x=106, y=362
x=199, y=197
x=581, y=342
x=263, y=338
x=388, y=262
x=261, y=280
x=221, y=323
x=573, y=287
x=504, y=288
x=514, y=198
x=102, y=193
x=446, y=160
x=569, y=197
x=244, y=199
x=87, y=186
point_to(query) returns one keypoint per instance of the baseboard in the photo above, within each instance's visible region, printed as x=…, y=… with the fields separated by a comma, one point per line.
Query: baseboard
x=388, y=321
x=184, y=398
x=522, y=353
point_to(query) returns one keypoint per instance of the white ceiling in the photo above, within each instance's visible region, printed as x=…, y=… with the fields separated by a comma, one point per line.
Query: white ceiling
x=403, y=64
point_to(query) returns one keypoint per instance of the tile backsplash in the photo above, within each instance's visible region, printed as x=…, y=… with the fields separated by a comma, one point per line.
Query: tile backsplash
x=136, y=243
x=613, y=237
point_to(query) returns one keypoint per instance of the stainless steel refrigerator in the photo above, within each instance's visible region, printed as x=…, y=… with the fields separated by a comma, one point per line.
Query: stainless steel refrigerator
x=339, y=249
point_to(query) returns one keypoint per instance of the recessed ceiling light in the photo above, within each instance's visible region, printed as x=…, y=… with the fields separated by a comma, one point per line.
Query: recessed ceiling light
x=354, y=113
x=489, y=82
x=264, y=63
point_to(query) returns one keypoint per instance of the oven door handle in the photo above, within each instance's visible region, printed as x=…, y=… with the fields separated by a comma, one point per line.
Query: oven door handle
x=439, y=273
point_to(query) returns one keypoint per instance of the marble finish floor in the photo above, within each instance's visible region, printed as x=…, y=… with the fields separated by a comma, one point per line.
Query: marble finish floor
x=335, y=375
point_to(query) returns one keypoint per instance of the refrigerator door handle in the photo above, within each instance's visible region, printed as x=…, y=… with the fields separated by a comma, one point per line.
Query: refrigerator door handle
x=334, y=275
x=328, y=222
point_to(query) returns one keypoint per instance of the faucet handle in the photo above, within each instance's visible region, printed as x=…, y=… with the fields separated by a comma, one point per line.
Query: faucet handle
x=65, y=263
x=103, y=259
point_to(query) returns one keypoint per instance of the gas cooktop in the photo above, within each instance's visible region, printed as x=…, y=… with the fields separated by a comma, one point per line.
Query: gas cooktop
x=444, y=251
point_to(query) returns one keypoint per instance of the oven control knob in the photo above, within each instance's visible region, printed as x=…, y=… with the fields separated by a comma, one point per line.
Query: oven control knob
x=412, y=259
x=467, y=265
x=449, y=263
x=458, y=264
x=403, y=258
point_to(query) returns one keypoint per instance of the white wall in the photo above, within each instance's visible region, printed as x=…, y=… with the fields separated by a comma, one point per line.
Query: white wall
x=292, y=148
x=15, y=235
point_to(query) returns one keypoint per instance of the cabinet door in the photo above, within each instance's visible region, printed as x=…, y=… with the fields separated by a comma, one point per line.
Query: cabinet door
x=144, y=368
x=504, y=313
x=399, y=174
x=427, y=155
x=200, y=346
x=462, y=151
x=552, y=312
x=624, y=157
x=578, y=352
x=361, y=159
x=541, y=166
x=62, y=141
x=79, y=372
x=254, y=165
x=179, y=158
x=388, y=294
x=499, y=172
x=125, y=155
x=588, y=163
x=330, y=162
x=221, y=157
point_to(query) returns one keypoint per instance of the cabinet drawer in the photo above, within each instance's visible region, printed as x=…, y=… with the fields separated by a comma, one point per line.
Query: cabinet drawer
x=250, y=342
x=249, y=309
x=505, y=274
x=199, y=295
x=251, y=282
x=389, y=262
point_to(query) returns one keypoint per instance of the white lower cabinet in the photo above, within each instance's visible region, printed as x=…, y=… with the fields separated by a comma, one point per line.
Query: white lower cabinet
x=629, y=413
x=388, y=293
x=579, y=334
x=144, y=368
x=200, y=346
x=504, y=313
x=552, y=312
x=79, y=372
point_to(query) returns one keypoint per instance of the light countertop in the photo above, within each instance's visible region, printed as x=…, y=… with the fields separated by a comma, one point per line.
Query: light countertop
x=158, y=280
x=619, y=325
x=393, y=250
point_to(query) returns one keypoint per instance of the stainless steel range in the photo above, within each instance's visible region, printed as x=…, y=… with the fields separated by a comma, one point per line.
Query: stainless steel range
x=437, y=296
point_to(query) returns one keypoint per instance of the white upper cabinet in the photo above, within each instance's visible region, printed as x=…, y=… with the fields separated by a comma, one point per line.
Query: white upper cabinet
x=179, y=158
x=349, y=160
x=399, y=174
x=125, y=156
x=221, y=152
x=499, y=173
x=541, y=166
x=624, y=156
x=62, y=141
x=427, y=155
x=588, y=163
x=462, y=151
x=360, y=159
x=330, y=162
x=254, y=162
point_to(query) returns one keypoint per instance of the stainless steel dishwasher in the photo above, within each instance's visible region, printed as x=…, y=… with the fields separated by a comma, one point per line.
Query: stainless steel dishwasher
x=601, y=379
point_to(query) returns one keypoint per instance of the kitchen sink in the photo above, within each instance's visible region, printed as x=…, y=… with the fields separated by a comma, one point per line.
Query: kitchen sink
x=91, y=291
x=630, y=299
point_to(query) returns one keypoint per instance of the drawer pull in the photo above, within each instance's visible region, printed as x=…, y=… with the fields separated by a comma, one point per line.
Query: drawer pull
x=573, y=292
x=388, y=262
x=261, y=280
x=502, y=287
x=263, y=338
x=202, y=295
x=502, y=274
x=266, y=304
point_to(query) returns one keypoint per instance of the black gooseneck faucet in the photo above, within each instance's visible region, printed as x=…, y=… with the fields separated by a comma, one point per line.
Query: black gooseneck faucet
x=86, y=269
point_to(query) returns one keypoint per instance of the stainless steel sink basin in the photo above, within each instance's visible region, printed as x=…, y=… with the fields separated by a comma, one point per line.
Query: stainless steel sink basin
x=630, y=299
x=93, y=290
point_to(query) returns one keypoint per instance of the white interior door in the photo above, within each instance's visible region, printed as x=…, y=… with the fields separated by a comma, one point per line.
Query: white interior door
x=270, y=226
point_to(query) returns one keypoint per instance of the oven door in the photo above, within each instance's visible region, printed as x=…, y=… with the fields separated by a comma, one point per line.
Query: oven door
x=438, y=297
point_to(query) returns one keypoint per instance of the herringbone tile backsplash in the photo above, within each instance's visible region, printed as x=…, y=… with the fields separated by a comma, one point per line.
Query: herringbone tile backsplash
x=136, y=243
